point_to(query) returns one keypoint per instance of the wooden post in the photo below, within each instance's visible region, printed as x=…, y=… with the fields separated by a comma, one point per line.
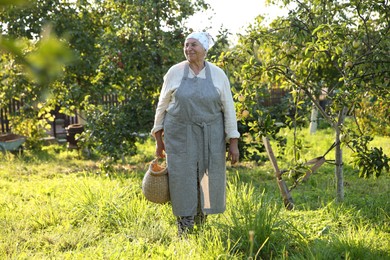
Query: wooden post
x=313, y=120
x=287, y=199
x=317, y=164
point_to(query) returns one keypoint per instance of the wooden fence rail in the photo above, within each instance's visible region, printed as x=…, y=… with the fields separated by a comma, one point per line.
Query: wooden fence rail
x=12, y=108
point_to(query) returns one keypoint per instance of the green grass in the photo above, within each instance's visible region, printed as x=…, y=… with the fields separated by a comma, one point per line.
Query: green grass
x=56, y=205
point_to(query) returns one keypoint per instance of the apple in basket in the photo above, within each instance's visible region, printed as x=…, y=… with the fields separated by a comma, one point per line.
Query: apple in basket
x=156, y=167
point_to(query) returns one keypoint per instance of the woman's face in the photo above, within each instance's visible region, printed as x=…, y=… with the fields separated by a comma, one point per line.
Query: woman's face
x=194, y=51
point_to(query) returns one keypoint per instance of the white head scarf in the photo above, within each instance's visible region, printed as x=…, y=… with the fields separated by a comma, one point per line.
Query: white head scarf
x=204, y=38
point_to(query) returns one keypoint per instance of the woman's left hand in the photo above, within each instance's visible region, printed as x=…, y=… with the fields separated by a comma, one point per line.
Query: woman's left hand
x=234, y=153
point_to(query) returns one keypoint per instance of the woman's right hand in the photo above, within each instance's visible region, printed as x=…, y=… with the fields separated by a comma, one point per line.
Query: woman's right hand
x=160, y=146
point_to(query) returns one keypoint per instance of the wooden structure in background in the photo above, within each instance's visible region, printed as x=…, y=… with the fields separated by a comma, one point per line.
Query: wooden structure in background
x=287, y=199
x=61, y=120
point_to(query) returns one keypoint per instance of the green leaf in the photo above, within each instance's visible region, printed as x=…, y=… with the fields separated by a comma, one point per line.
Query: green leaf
x=11, y=45
x=13, y=2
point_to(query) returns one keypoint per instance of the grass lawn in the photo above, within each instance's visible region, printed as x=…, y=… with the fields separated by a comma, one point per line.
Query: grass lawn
x=57, y=205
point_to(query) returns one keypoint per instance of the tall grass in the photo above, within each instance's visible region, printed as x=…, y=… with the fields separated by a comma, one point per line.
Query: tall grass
x=252, y=220
x=56, y=205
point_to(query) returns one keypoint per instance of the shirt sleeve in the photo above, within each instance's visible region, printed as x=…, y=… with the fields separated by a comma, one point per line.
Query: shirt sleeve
x=172, y=81
x=229, y=110
x=162, y=105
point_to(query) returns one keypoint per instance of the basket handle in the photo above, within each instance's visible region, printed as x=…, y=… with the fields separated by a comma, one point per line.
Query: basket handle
x=158, y=158
x=161, y=172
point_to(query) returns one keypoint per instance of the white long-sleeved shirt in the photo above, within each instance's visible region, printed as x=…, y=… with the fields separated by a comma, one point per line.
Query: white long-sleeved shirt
x=172, y=80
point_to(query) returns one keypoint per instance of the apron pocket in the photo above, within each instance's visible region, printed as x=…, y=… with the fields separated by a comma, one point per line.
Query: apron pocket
x=217, y=139
x=175, y=137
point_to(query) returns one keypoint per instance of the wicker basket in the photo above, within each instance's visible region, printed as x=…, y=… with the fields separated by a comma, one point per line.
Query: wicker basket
x=155, y=185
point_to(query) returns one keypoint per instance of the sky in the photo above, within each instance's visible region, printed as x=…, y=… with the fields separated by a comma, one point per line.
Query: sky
x=234, y=15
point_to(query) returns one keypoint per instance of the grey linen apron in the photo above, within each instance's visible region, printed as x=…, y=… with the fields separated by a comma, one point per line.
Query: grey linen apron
x=195, y=146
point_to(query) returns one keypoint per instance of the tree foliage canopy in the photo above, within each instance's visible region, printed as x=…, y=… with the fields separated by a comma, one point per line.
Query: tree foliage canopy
x=69, y=54
x=90, y=49
x=337, y=49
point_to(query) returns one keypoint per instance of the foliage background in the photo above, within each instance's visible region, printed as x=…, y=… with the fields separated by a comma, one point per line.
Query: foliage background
x=62, y=56
x=67, y=55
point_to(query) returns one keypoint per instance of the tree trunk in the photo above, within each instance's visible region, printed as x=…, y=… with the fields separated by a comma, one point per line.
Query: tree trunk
x=287, y=199
x=339, y=158
x=313, y=119
x=339, y=169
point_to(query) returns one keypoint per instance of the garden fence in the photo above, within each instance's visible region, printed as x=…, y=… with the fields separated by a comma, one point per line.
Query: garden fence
x=13, y=106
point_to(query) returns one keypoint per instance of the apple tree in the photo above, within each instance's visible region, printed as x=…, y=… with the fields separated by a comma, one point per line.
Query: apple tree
x=335, y=48
x=120, y=48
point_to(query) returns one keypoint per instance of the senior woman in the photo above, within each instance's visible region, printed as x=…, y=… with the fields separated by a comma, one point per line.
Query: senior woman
x=195, y=118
